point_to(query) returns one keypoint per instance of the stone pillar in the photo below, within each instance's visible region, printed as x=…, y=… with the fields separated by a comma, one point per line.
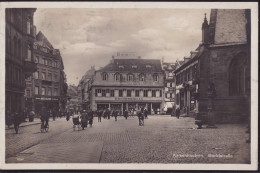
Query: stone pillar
x=126, y=106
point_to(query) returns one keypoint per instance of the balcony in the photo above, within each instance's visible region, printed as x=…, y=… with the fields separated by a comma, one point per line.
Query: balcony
x=29, y=68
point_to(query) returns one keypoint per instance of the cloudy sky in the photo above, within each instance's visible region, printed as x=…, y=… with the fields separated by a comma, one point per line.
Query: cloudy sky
x=88, y=37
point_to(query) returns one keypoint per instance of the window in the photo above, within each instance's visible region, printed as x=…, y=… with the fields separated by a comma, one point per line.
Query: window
x=49, y=63
x=168, y=95
x=50, y=76
x=29, y=54
x=141, y=77
x=36, y=90
x=45, y=62
x=145, y=93
x=15, y=46
x=36, y=59
x=55, y=91
x=168, y=84
x=28, y=78
x=155, y=77
x=49, y=91
x=105, y=76
x=43, y=91
x=54, y=64
x=130, y=77
x=117, y=77
x=112, y=93
x=120, y=93
x=55, y=77
x=103, y=93
x=28, y=93
x=153, y=93
x=43, y=76
x=238, y=76
x=28, y=26
x=136, y=93
x=36, y=75
x=129, y=93
x=19, y=48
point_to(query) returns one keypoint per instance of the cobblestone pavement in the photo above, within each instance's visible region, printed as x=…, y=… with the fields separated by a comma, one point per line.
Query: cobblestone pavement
x=163, y=139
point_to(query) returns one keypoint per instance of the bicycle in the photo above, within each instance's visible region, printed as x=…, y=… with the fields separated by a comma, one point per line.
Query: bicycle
x=44, y=128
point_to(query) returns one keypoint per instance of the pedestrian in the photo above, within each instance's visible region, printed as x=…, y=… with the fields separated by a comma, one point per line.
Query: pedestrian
x=16, y=120
x=84, y=119
x=31, y=116
x=108, y=113
x=116, y=114
x=140, y=115
x=99, y=114
x=145, y=113
x=91, y=117
x=126, y=114
x=178, y=112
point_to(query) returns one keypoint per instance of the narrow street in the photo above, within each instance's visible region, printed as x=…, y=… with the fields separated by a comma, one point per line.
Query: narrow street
x=163, y=139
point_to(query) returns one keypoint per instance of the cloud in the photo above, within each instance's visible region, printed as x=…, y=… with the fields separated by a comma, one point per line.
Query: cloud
x=88, y=37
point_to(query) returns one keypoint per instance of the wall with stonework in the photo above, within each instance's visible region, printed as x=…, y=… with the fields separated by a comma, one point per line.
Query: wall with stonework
x=230, y=26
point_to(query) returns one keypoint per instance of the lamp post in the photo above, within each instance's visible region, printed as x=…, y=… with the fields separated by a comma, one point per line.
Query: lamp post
x=211, y=91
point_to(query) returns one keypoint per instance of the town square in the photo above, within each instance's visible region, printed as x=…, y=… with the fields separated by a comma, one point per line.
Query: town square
x=128, y=86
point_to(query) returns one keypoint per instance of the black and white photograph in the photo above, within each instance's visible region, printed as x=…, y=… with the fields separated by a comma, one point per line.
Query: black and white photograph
x=129, y=85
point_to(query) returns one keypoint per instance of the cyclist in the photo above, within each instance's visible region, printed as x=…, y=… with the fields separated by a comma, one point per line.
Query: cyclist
x=45, y=117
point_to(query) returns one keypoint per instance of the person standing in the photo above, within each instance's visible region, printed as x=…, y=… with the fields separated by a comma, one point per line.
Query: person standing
x=108, y=113
x=145, y=113
x=116, y=114
x=178, y=112
x=8, y=118
x=91, y=117
x=84, y=119
x=99, y=114
x=126, y=114
x=140, y=115
x=16, y=120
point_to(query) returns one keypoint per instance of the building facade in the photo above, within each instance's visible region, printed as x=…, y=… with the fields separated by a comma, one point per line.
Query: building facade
x=20, y=34
x=169, y=86
x=127, y=84
x=47, y=87
x=223, y=61
x=73, y=103
x=84, y=86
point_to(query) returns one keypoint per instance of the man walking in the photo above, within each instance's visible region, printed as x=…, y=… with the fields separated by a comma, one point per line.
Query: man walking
x=99, y=114
x=178, y=112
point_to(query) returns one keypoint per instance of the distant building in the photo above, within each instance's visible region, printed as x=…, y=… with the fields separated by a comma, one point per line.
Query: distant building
x=223, y=59
x=20, y=35
x=169, y=85
x=129, y=83
x=84, y=87
x=47, y=87
x=73, y=103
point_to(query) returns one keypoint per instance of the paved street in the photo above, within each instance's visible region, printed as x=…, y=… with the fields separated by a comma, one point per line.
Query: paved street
x=163, y=139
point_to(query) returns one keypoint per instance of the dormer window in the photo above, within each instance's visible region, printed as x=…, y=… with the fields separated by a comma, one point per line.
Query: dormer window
x=121, y=66
x=148, y=66
x=141, y=77
x=117, y=77
x=130, y=77
x=105, y=76
x=155, y=77
x=134, y=66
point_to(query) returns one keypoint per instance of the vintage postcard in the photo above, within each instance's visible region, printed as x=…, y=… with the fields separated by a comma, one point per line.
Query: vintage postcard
x=129, y=85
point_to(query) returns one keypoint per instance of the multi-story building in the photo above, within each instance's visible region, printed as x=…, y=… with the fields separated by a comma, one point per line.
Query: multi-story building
x=84, y=86
x=129, y=83
x=223, y=61
x=47, y=87
x=73, y=99
x=20, y=34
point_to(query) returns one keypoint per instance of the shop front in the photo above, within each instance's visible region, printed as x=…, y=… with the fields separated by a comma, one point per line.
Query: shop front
x=47, y=102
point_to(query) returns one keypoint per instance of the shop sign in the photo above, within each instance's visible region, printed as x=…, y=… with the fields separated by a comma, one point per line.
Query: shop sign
x=128, y=98
x=46, y=98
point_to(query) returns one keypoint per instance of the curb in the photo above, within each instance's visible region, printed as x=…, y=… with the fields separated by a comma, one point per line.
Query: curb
x=23, y=125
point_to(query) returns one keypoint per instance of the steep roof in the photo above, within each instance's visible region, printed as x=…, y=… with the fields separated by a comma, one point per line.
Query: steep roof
x=126, y=65
x=43, y=41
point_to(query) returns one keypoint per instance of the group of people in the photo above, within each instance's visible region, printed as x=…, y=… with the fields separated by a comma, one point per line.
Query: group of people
x=84, y=118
